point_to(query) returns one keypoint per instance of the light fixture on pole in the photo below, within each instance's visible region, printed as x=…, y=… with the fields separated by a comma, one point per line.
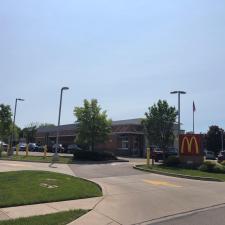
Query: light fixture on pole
x=179, y=93
x=55, y=156
x=13, y=128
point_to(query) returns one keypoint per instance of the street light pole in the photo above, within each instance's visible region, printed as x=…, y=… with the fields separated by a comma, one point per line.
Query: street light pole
x=55, y=156
x=221, y=130
x=179, y=93
x=13, y=128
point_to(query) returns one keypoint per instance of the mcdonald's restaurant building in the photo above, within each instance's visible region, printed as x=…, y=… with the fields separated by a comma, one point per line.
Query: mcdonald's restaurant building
x=126, y=139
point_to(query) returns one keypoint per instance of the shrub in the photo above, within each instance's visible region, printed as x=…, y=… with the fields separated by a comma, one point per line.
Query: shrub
x=207, y=166
x=223, y=163
x=93, y=155
x=219, y=168
x=213, y=167
x=172, y=161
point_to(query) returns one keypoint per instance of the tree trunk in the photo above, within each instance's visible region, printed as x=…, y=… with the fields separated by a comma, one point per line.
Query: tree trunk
x=92, y=146
x=164, y=154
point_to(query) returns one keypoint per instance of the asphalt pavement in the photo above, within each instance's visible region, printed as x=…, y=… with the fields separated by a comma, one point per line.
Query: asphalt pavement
x=101, y=170
x=135, y=197
x=214, y=216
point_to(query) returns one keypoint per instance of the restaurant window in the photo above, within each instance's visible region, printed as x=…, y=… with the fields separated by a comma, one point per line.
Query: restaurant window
x=124, y=142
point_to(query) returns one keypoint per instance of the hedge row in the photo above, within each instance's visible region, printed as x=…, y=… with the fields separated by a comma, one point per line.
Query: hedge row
x=207, y=166
x=93, y=155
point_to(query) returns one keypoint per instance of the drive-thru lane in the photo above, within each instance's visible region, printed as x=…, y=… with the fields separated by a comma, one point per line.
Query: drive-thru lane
x=134, y=197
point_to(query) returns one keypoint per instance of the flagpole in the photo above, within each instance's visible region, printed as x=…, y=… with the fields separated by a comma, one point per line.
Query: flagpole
x=193, y=121
x=194, y=117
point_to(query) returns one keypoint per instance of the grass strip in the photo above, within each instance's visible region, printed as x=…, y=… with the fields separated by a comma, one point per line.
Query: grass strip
x=61, y=218
x=48, y=159
x=182, y=171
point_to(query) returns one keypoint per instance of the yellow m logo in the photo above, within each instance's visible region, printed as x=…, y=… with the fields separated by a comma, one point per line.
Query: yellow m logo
x=189, y=145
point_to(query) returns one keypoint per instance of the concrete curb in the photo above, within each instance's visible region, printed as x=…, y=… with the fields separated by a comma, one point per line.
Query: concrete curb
x=15, y=160
x=99, y=162
x=75, y=162
x=179, y=175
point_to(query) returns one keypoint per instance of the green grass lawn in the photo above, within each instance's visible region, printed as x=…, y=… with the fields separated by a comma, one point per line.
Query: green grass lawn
x=48, y=159
x=32, y=187
x=61, y=218
x=190, y=172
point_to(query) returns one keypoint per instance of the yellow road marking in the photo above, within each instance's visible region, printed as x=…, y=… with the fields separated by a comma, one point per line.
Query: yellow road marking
x=161, y=183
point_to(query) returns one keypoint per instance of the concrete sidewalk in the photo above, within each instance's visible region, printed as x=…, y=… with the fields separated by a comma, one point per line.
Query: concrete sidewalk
x=47, y=208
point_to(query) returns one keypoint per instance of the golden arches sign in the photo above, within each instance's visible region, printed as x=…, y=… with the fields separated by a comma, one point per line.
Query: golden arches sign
x=189, y=144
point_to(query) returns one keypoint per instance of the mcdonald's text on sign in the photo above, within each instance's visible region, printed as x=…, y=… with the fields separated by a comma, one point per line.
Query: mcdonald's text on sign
x=190, y=144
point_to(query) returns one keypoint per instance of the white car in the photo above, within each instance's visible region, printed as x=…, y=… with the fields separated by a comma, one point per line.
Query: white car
x=22, y=146
x=59, y=149
x=209, y=155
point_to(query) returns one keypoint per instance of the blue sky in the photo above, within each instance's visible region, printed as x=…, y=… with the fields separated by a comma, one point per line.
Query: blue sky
x=127, y=54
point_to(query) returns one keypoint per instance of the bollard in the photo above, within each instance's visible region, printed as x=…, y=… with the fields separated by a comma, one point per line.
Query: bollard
x=17, y=150
x=45, y=151
x=26, y=150
x=148, y=157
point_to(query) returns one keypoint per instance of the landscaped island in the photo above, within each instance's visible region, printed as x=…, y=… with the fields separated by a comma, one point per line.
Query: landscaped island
x=209, y=170
x=32, y=187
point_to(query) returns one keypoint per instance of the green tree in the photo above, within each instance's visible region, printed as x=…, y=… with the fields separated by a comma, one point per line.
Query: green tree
x=5, y=122
x=42, y=125
x=213, y=139
x=158, y=124
x=29, y=133
x=92, y=124
x=17, y=132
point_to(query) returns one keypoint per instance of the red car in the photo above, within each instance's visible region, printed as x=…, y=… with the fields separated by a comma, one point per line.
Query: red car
x=221, y=156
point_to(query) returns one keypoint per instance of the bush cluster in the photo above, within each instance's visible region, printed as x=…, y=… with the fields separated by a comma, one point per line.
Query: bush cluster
x=213, y=167
x=173, y=161
x=223, y=163
x=93, y=155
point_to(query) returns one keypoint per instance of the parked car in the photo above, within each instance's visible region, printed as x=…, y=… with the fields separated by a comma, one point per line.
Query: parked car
x=22, y=146
x=5, y=147
x=32, y=147
x=60, y=148
x=73, y=147
x=221, y=156
x=171, y=152
x=209, y=155
x=40, y=148
x=157, y=153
